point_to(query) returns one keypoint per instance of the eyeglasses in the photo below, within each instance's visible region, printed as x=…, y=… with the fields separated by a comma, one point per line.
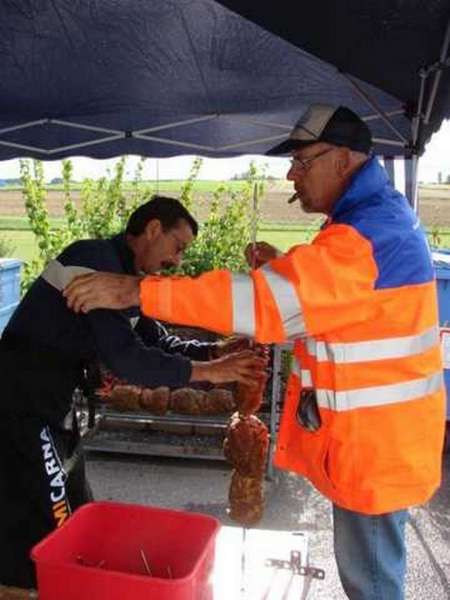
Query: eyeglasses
x=304, y=163
x=181, y=244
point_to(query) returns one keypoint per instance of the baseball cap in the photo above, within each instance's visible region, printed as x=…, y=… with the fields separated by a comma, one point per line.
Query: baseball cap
x=323, y=123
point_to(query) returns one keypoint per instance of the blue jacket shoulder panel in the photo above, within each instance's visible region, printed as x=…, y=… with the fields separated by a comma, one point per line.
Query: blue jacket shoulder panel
x=384, y=217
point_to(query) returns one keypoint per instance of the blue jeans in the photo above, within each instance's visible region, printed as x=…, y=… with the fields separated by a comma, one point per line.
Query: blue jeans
x=370, y=553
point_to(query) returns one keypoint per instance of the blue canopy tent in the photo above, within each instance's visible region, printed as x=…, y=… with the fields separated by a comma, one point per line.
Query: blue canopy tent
x=167, y=77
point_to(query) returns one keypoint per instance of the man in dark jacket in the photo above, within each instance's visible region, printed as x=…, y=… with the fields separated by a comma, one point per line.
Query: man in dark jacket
x=45, y=353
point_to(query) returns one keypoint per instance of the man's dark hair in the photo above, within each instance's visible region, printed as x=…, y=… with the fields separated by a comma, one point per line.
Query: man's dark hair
x=167, y=210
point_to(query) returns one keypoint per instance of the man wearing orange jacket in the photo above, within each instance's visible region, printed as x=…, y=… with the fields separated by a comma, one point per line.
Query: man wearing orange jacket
x=364, y=413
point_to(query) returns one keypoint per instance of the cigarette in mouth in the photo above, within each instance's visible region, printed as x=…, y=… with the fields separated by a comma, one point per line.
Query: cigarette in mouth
x=293, y=198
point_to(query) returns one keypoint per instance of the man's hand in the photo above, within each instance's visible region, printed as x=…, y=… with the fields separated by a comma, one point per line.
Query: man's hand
x=229, y=346
x=260, y=254
x=246, y=367
x=102, y=290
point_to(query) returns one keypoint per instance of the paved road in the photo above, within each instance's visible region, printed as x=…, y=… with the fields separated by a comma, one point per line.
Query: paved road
x=292, y=504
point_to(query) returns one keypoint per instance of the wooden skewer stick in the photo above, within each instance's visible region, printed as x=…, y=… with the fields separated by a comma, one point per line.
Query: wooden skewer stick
x=253, y=235
x=144, y=560
x=254, y=224
x=82, y=561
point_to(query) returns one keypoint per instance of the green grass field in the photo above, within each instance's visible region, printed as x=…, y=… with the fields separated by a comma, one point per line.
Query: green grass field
x=25, y=246
x=16, y=230
x=23, y=242
x=283, y=237
x=201, y=185
x=12, y=224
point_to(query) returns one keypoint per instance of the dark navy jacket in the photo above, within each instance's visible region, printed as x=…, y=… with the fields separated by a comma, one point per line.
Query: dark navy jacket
x=45, y=335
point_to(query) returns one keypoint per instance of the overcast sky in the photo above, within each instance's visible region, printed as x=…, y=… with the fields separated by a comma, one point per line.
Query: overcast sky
x=436, y=159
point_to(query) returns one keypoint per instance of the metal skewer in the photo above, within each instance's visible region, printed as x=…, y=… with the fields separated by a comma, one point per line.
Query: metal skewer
x=244, y=535
x=268, y=591
x=144, y=560
x=287, y=591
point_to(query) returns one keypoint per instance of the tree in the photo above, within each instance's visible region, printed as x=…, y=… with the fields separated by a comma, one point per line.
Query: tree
x=105, y=208
x=249, y=173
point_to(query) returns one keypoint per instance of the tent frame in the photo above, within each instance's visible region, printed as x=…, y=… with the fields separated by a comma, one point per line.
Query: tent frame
x=420, y=118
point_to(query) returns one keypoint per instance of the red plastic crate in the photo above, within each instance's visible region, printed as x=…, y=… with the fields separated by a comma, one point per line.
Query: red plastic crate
x=179, y=548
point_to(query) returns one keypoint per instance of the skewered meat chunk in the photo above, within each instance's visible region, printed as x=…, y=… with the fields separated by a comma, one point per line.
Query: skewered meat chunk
x=108, y=382
x=246, y=499
x=155, y=401
x=197, y=402
x=246, y=445
x=219, y=402
x=249, y=397
x=126, y=397
x=187, y=401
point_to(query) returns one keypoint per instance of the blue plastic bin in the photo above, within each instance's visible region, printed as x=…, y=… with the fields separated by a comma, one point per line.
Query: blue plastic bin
x=441, y=261
x=9, y=288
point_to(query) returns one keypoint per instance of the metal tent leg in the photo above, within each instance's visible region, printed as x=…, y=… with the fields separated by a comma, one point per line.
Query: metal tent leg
x=275, y=397
x=411, y=181
x=389, y=166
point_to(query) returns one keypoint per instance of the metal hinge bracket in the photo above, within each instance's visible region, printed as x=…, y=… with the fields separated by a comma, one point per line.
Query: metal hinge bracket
x=295, y=565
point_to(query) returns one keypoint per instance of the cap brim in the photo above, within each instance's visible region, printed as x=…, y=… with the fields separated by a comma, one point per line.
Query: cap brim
x=289, y=146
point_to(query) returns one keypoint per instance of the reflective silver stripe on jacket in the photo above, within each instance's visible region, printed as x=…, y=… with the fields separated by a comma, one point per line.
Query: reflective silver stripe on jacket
x=304, y=374
x=287, y=302
x=243, y=298
x=399, y=347
x=57, y=275
x=295, y=368
x=380, y=395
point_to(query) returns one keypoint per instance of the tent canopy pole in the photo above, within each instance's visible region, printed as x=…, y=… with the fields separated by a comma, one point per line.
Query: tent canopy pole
x=443, y=62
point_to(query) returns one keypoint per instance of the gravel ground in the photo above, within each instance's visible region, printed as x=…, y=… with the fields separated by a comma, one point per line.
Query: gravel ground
x=292, y=504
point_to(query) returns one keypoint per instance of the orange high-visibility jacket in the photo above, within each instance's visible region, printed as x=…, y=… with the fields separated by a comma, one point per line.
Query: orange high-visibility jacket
x=360, y=305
